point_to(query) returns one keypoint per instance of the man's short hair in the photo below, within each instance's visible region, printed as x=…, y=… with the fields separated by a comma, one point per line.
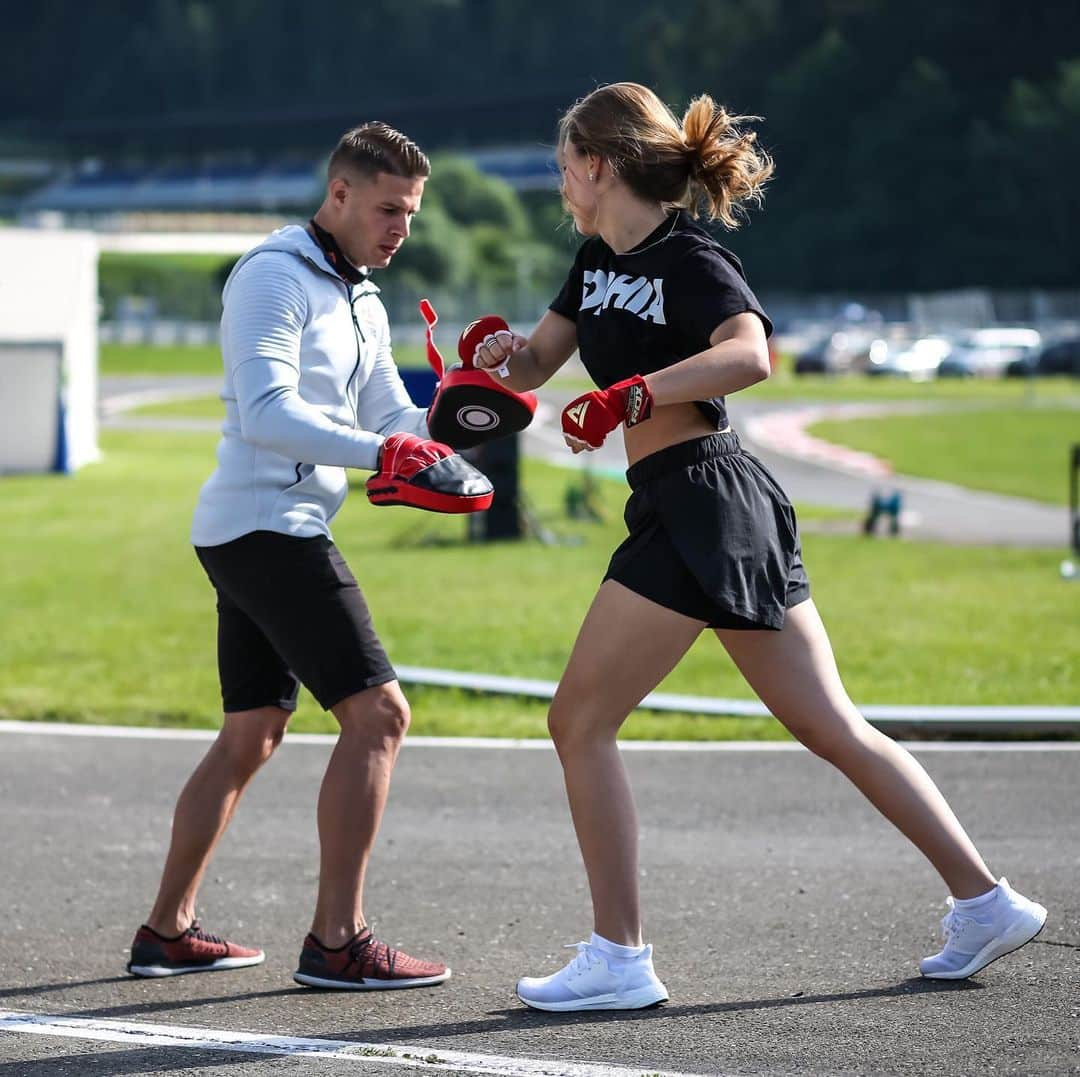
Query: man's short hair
x=376, y=147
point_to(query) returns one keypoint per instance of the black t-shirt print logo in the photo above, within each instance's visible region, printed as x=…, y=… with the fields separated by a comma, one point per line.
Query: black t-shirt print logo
x=638, y=295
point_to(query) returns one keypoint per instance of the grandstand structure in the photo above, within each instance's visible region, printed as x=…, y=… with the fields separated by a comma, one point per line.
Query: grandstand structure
x=93, y=189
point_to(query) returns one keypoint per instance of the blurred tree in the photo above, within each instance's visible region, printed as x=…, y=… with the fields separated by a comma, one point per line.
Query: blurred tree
x=496, y=259
x=808, y=119
x=470, y=197
x=1031, y=164
x=501, y=248
x=904, y=179
x=910, y=138
x=438, y=254
x=548, y=221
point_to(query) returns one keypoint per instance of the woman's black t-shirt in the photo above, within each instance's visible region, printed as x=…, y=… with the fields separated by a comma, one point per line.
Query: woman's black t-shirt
x=655, y=304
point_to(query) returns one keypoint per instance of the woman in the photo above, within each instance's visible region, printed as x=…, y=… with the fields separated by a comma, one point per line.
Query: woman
x=667, y=326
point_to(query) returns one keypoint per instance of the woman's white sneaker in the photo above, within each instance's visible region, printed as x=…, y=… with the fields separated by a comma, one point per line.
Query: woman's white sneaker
x=596, y=981
x=976, y=936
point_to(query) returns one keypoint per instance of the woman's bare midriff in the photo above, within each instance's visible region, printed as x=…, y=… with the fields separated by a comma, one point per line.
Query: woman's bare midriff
x=667, y=425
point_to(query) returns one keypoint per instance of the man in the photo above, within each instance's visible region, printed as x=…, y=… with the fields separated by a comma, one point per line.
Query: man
x=310, y=389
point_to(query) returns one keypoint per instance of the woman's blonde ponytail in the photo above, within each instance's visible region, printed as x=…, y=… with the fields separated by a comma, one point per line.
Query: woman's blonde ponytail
x=709, y=163
x=727, y=168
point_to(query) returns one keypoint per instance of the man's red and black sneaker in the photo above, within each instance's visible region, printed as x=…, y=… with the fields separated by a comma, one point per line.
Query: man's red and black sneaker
x=364, y=964
x=192, y=951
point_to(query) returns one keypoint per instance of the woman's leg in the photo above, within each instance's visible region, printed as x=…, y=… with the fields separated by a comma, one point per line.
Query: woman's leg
x=625, y=647
x=794, y=673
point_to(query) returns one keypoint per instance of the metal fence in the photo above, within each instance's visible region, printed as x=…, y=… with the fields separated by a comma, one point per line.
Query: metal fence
x=148, y=321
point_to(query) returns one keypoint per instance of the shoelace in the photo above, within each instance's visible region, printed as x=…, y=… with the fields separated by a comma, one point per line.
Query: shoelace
x=368, y=947
x=196, y=932
x=585, y=958
x=955, y=923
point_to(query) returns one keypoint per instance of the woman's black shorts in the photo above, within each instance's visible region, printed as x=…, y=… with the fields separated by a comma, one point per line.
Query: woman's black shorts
x=290, y=612
x=712, y=536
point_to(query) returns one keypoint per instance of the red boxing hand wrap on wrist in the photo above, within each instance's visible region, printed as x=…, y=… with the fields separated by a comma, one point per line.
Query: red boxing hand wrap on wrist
x=592, y=416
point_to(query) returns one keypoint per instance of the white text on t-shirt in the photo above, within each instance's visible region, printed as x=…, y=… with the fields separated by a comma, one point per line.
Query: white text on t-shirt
x=638, y=295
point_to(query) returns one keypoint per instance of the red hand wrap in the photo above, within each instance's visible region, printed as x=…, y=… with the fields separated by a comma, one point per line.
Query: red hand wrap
x=472, y=336
x=592, y=416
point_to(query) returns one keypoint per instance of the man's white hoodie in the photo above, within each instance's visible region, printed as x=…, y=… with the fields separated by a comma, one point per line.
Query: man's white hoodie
x=310, y=389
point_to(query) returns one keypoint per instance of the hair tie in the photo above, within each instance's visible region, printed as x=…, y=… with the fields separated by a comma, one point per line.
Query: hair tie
x=694, y=159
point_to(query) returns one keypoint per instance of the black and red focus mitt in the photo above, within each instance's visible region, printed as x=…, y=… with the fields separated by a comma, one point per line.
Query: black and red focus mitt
x=470, y=408
x=427, y=475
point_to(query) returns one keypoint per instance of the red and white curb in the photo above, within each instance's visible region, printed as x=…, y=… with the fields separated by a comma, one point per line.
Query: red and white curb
x=785, y=432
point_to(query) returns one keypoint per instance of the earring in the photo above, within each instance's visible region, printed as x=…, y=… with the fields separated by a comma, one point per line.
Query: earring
x=591, y=177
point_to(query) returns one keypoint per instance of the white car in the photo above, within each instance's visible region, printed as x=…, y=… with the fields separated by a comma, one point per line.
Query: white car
x=915, y=359
x=987, y=352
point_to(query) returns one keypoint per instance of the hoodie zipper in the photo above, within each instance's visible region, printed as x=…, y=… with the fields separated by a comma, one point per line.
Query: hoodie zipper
x=358, y=332
x=360, y=340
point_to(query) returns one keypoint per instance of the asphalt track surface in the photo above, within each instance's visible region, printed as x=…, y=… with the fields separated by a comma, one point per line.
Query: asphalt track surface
x=787, y=916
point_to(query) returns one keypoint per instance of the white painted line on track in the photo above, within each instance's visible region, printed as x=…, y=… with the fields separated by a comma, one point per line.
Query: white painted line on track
x=137, y=398
x=413, y=1056
x=61, y=729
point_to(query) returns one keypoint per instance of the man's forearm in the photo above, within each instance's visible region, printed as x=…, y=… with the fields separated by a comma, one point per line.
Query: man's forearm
x=280, y=421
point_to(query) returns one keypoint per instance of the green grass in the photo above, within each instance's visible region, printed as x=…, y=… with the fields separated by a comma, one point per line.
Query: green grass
x=126, y=359
x=1021, y=452
x=196, y=407
x=209, y=264
x=108, y=617
x=1012, y=447
x=783, y=385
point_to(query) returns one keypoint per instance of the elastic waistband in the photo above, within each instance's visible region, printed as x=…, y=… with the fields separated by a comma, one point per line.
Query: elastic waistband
x=683, y=454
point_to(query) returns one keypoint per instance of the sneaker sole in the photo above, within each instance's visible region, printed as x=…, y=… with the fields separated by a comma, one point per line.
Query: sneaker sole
x=1011, y=941
x=640, y=999
x=369, y=985
x=220, y=965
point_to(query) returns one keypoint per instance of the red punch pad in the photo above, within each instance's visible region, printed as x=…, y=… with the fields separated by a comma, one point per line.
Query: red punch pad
x=470, y=407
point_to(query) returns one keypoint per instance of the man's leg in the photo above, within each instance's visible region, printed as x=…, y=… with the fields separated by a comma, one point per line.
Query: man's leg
x=314, y=627
x=259, y=695
x=341, y=952
x=205, y=806
x=351, y=803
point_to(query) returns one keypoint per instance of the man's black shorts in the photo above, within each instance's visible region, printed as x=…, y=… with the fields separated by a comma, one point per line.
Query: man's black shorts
x=712, y=536
x=290, y=612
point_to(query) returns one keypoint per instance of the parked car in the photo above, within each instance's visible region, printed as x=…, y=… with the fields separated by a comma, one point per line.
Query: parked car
x=1060, y=356
x=987, y=353
x=836, y=353
x=918, y=359
x=814, y=358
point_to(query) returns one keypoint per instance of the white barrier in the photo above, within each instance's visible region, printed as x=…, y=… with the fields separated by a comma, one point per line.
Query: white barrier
x=48, y=350
x=996, y=719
